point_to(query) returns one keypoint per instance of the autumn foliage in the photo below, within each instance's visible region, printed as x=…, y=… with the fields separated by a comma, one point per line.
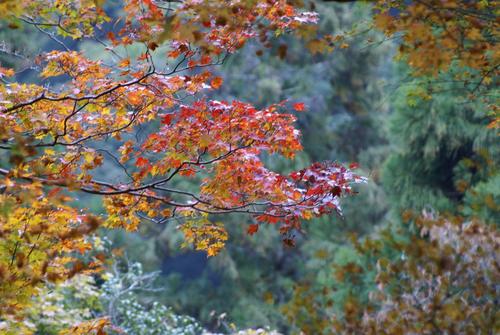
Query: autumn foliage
x=52, y=135
x=436, y=38
x=443, y=279
x=53, y=130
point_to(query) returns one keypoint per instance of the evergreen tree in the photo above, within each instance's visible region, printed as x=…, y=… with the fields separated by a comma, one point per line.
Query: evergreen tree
x=444, y=156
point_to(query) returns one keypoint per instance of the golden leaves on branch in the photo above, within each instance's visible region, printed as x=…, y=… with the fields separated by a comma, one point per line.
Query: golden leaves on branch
x=39, y=244
x=455, y=40
x=204, y=235
x=435, y=34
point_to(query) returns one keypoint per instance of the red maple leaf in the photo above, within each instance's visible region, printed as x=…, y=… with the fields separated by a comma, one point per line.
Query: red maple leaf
x=299, y=106
x=252, y=229
x=141, y=161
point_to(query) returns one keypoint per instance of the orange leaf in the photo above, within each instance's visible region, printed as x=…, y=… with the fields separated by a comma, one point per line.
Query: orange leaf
x=152, y=45
x=141, y=161
x=216, y=82
x=252, y=229
x=124, y=62
x=299, y=106
x=353, y=166
x=134, y=98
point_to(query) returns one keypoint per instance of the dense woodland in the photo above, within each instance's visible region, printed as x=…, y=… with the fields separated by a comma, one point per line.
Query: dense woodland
x=249, y=167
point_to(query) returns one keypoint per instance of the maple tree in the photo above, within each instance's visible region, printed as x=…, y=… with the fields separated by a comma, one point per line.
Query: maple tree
x=51, y=134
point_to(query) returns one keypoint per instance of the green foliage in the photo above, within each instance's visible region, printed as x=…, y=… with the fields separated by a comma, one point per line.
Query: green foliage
x=428, y=275
x=443, y=151
x=483, y=200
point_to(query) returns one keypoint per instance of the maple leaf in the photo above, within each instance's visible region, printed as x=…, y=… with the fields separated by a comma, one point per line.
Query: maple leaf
x=299, y=106
x=124, y=62
x=216, y=82
x=167, y=119
x=142, y=162
x=353, y=166
x=252, y=229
